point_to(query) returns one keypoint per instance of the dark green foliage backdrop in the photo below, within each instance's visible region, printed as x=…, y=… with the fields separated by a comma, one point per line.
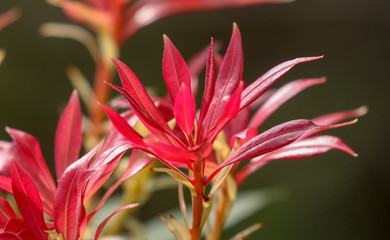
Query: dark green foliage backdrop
x=334, y=196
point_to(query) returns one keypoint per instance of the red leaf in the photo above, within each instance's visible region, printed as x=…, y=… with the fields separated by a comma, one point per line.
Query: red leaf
x=28, y=155
x=229, y=76
x=175, y=69
x=101, y=226
x=297, y=150
x=258, y=87
x=209, y=87
x=5, y=184
x=6, y=212
x=123, y=127
x=19, y=227
x=68, y=207
x=136, y=90
x=185, y=109
x=9, y=236
x=68, y=136
x=28, y=201
x=282, y=95
x=5, y=158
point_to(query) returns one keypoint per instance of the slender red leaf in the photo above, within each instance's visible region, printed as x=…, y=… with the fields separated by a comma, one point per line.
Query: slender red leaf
x=9, y=236
x=209, y=86
x=258, y=87
x=136, y=90
x=68, y=136
x=185, y=109
x=68, y=202
x=6, y=211
x=28, y=201
x=282, y=95
x=6, y=184
x=175, y=69
x=19, y=227
x=123, y=127
x=229, y=76
x=101, y=226
x=28, y=155
x=297, y=150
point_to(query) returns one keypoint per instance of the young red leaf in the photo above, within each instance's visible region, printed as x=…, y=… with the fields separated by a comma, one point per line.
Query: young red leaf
x=27, y=153
x=9, y=236
x=68, y=136
x=68, y=207
x=5, y=184
x=136, y=90
x=175, y=69
x=5, y=158
x=185, y=109
x=6, y=212
x=19, y=227
x=297, y=150
x=258, y=87
x=123, y=127
x=281, y=96
x=229, y=76
x=101, y=226
x=28, y=201
x=209, y=86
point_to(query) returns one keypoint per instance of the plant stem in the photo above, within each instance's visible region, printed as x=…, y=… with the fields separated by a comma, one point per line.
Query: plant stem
x=197, y=201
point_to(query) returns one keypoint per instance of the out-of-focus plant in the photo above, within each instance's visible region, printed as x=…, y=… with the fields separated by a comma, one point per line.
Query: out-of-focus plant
x=5, y=19
x=208, y=143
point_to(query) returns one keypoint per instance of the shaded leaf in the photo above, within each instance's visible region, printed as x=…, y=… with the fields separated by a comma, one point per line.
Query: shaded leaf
x=6, y=211
x=185, y=109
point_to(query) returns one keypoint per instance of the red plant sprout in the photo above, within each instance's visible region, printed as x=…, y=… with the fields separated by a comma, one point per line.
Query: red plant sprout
x=189, y=144
x=28, y=179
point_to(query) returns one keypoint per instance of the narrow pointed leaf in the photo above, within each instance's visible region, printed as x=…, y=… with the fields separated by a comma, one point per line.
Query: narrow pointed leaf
x=185, y=109
x=6, y=184
x=101, y=226
x=175, y=69
x=136, y=90
x=282, y=95
x=5, y=158
x=123, y=127
x=258, y=87
x=209, y=85
x=68, y=136
x=68, y=203
x=28, y=155
x=229, y=77
x=20, y=228
x=6, y=211
x=299, y=149
x=9, y=236
x=28, y=201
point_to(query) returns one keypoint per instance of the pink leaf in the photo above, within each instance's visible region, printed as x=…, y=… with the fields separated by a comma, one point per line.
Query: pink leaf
x=68, y=202
x=175, y=69
x=28, y=201
x=28, y=155
x=5, y=158
x=229, y=76
x=68, y=136
x=101, y=226
x=185, y=109
x=297, y=150
x=258, y=87
x=6, y=212
x=282, y=95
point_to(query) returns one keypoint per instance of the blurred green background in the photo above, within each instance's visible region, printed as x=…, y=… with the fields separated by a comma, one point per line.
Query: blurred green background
x=334, y=196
